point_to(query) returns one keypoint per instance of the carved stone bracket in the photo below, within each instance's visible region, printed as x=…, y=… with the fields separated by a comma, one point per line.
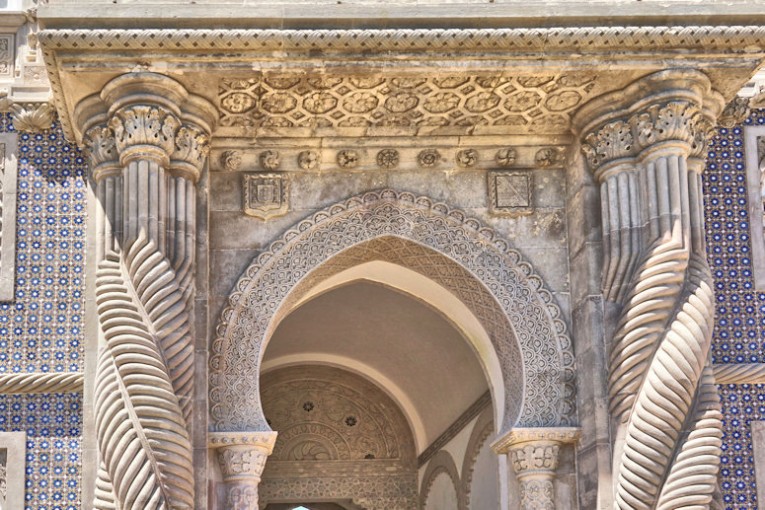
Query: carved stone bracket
x=534, y=453
x=735, y=112
x=242, y=457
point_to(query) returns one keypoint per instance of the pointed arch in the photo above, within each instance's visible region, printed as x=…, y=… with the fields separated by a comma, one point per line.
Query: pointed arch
x=520, y=316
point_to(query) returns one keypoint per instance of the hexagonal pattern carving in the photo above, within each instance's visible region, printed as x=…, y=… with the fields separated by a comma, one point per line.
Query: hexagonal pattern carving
x=540, y=103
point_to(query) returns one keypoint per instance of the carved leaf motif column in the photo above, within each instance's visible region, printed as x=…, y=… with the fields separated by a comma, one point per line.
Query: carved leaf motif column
x=242, y=457
x=534, y=454
x=147, y=142
x=646, y=146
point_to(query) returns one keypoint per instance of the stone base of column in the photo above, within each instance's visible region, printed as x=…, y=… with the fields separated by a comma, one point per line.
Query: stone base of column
x=533, y=453
x=242, y=457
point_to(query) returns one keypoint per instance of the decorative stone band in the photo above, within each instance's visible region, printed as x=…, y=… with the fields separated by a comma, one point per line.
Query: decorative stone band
x=534, y=453
x=242, y=457
x=740, y=373
x=41, y=382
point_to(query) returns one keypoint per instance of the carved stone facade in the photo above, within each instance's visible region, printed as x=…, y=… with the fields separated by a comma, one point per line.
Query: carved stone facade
x=538, y=189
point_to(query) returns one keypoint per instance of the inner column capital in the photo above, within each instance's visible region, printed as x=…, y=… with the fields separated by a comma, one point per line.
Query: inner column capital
x=669, y=111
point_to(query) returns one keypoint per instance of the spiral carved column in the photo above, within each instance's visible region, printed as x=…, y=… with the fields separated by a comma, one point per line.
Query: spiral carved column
x=147, y=143
x=646, y=146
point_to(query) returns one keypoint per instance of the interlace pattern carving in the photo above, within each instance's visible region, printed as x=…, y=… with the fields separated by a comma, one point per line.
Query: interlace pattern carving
x=538, y=103
x=442, y=244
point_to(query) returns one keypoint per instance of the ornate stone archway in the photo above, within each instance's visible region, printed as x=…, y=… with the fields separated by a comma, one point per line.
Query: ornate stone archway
x=503, y=291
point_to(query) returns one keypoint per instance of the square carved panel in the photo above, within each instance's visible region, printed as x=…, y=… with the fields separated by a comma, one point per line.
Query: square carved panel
x=266, y=195
x=510, y=192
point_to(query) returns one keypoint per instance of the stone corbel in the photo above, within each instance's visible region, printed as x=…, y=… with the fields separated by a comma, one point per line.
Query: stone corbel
x=534, y=453
x=242, y=457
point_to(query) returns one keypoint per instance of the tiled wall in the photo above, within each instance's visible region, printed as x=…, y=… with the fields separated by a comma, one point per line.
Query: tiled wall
x=740, y=329
x=42, y=329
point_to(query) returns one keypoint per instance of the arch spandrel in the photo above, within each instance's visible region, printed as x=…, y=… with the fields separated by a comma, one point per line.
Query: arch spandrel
x=503, y=291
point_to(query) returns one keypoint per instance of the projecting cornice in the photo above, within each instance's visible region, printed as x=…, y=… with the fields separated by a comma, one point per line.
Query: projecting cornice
x=80, y=61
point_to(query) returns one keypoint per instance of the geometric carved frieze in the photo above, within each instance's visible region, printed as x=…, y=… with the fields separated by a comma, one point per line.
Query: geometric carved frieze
x=510, y=192
x=492, y=103
x=8, y=171
x=266, y=195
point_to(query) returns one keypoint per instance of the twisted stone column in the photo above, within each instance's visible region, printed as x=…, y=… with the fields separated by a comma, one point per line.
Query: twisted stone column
x=147, y=143
x=242, y=457
x=646, y=146
x=534, y=454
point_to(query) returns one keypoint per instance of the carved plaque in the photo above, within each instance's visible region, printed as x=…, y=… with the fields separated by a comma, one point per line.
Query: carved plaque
x=510, y=192
x=7, y=46
x=7, y=214
x=266, y=195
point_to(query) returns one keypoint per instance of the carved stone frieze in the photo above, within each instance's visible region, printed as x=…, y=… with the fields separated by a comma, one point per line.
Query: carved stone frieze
x=539, y=103
x=266, y=195
x=368, y=226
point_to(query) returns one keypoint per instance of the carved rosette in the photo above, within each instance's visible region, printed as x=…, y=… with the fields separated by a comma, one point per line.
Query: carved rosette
x=534, y=454
x=242, y=457
x=648, y=160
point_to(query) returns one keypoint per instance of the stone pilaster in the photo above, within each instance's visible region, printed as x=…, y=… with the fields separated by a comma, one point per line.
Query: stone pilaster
x=146, y=138
x=645, y=145
x=242, y=457
x=534, y=454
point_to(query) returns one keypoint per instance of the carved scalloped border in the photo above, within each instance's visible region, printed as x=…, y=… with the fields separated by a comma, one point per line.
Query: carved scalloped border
x=438, y=209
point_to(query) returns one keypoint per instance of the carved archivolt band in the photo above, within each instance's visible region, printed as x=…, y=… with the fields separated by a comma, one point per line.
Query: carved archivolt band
x=41, y=382
x=144, y=284
x=656, y=268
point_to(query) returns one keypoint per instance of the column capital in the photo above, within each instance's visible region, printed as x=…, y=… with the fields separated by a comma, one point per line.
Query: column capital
x=666, y=112
x=242, y=457
x=144, y=113
x=520, y=437
x=98, y=138
x=192, y=140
